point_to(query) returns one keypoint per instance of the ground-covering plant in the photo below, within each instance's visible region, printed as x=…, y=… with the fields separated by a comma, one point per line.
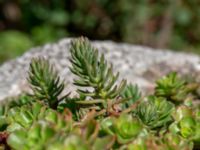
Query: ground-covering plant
x=104, y=114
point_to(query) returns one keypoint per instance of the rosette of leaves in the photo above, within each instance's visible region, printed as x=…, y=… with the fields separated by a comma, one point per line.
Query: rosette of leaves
x=175, y=141
x=126, y=127
x=144, y=143
x=184, y=121
x=45, y=136
x=10, y=103
x=189, y=129
x=75, y=142
x=71, y=142
x=93, y=71
x=62, y=122
x=187, y=126
x=167, y=141
x=89, y=130
x=173, y=88
x=150, y=142
x=155, y=112
x=23, y=117
x=137, y=144
x=131, y=94
x=41, y=131
x=34, y=138
x=183, y=111
x=45, y=82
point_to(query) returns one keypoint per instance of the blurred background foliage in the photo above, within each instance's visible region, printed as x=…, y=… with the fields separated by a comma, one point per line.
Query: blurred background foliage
x=173, y=24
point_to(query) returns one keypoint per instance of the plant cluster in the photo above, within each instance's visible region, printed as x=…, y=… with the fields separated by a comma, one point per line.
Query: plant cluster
x=105, y=114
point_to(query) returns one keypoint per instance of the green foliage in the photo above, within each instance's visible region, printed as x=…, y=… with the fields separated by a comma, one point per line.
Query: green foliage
x=167, y=142
x=126, y=127
x=155, y=112
x=46, y=135
x=20, y=43
x=36, y=136
x=23, y=117
x=45, y=82
x=186, y=123
x=20, y=100
x=119, y=120
x=169, y=85
x=132, y=94
x=46, y=33
x=173, y=88
x=93, y=71
x=165, y=24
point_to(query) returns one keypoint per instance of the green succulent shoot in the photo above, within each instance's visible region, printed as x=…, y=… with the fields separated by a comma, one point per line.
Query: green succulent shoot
x=45, y=82
x=93, y=71
x=126, y=127
x=131, y=94
x=173, y=88
x=155, y=112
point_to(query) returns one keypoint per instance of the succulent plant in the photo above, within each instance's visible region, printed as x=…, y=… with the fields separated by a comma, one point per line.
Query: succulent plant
x=132, y=94
x=93, y=71
x=107, y=116
x=155, y=112
x=33, y=139
x=166, y=142
x=125, y=127
x=45, y=82
x=173, y=88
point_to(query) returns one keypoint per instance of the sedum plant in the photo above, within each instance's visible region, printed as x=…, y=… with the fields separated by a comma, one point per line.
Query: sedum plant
x=45, y=82
x=132, y=94
x=104, y=114
x=155, y=112
x=93, y=71
x=125, y=127
x=174, y=88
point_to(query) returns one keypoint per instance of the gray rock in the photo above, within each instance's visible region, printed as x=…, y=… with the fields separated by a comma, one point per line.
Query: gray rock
x=138, y=64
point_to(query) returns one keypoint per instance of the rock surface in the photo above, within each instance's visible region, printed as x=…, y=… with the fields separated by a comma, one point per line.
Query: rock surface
x=141, y=65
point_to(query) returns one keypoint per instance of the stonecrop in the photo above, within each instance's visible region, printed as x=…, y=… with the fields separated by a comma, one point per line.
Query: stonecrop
x=104, y=114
